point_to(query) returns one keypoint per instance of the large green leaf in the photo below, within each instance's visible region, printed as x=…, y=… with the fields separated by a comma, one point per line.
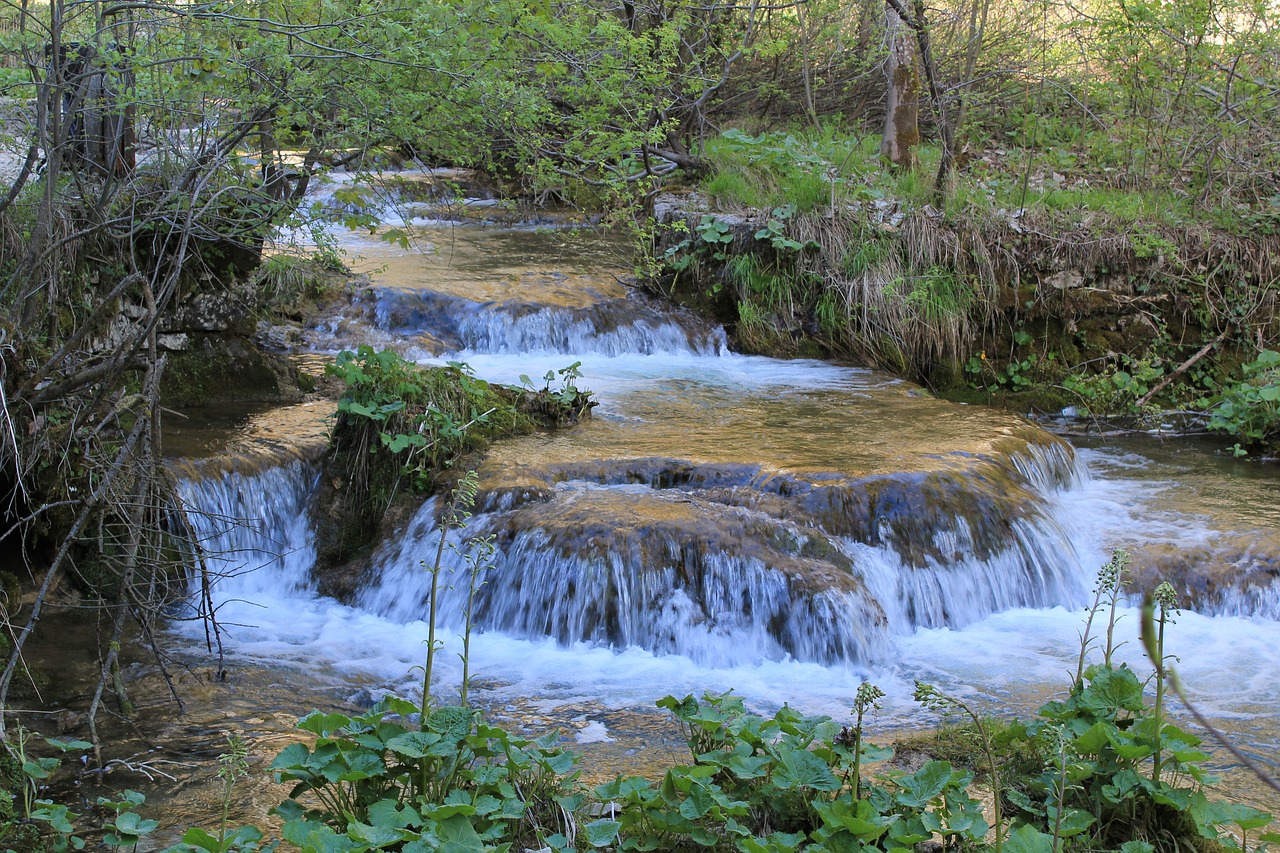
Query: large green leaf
x=323, y=725
x=1110, y=691
x=457, y=835
x=1028, y=839
x=602, y=833
x=802, y=769
x=413, y=744
x=919, y=788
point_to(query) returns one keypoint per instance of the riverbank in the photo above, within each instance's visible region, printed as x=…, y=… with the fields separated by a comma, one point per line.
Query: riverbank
x=1035, y=310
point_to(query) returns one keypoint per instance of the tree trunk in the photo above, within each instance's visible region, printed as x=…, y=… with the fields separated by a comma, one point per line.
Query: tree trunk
x=902, y=109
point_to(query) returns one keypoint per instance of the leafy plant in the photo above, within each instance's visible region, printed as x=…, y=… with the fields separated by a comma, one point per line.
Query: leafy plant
x=43, y=824
x=931, y=697
x=453, y=516
x=716, y=234
x=1118, y=772
x=375, y=783
x=1249, y=410
x=775, y=231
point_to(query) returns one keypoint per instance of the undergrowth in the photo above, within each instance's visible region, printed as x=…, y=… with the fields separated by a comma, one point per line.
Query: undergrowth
x=1039, y=285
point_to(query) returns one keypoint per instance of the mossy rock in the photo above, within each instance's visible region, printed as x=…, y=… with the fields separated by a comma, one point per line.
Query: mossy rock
x=217, y=369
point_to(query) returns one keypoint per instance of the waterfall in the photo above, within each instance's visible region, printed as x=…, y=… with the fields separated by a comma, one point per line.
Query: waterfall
x=612, y=327
x=249, y=522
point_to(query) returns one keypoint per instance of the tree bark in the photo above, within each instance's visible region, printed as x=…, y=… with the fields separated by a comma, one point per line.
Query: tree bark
x=902, y=110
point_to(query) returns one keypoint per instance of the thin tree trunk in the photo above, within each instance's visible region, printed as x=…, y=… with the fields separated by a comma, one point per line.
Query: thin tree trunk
x=902, y=110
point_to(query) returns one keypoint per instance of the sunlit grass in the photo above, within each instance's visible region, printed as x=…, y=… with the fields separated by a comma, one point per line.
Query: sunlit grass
x=817, y=169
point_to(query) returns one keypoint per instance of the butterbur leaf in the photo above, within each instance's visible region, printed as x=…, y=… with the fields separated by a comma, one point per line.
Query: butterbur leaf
x=374, y=836
x=134, y=825
x=1073, y=822
x=451, y=722
x=457, y=835
x=323, y=725
x=67, y=744
x=559, y=763
x=388, y=813
x=925, y=784
x=1136, y=847
x=1245, y=817
x=58, y=817
x=704, y=837
x=1023, y=802
x=1111, y=691
x=40, y=768
x=292, y=756
x=1093, y=740
x=413, y=744
x=749, y=766
x=1028, y=839
x=512, y=808
x=601, y=833
x=1179, y=798
x=197, y=837
x=802, y=769
x=1121, y=785
x=486, y=805
x=290, y=810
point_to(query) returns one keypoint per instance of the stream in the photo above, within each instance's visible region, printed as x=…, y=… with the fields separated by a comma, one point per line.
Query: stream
x=782, y=529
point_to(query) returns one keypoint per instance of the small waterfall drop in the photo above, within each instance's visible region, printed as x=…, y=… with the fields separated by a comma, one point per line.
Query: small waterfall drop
x=251, y=527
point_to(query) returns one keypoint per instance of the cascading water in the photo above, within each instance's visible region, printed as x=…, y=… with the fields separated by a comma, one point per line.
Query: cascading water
x=784, y=529
x=250, y=525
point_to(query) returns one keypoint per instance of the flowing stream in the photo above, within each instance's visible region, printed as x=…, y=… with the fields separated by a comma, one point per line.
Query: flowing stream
x=783, y=529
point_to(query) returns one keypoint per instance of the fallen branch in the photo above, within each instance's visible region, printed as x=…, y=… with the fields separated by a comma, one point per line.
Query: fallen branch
x=1182, y=368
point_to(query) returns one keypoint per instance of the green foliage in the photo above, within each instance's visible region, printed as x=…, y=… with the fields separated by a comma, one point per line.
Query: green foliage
x=560, y=388
x=1249, y=410
x=805, y=170
x=401, y=426
x=373, y=782
x=1106, y=772
x=40, y=824
x=775, y=231
x=422, y=416
x=1118, y=387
